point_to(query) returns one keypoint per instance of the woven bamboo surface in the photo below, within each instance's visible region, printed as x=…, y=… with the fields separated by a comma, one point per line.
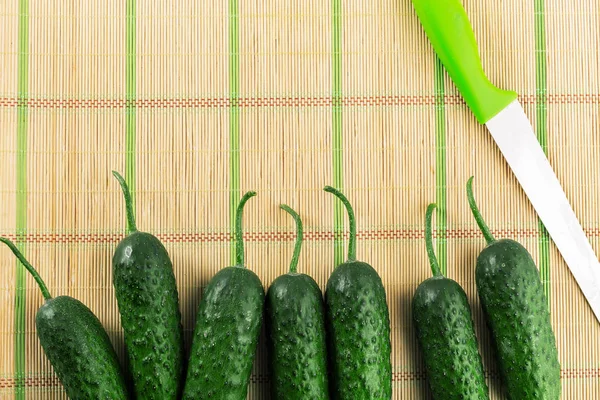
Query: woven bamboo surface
x=198, y=102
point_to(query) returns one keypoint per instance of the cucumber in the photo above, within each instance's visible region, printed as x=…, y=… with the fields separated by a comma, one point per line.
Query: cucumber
x=227, y=327
x=446, y=334
x=516, y=310
x=76, y=344
x=149, y=306
x=296, y=332
x=358, y=326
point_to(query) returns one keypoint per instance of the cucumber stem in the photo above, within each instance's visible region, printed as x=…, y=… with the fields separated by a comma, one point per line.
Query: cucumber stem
x=487, y=234
x=239, y=236
x=29, y=267
x=433, y=261
x=299, y=235
x=128, y=204
x=352, y=241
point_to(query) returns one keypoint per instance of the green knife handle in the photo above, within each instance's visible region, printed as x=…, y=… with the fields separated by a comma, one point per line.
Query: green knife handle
x=449, y=30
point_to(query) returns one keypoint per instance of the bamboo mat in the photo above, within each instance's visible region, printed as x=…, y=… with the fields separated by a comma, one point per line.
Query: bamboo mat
x=198, y=102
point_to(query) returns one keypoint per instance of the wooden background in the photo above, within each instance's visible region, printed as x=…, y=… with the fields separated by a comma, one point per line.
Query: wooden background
x=198, y=102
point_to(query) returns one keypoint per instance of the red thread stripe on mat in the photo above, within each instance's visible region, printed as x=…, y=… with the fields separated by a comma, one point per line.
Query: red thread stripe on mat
x=406, y=376
x=257, y=102
x=40, y=381
x=312, y=236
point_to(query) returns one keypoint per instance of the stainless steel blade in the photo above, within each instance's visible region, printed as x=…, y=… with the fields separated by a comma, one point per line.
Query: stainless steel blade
x=514, y=135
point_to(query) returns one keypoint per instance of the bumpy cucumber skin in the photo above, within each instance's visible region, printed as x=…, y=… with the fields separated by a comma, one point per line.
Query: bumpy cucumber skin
x=149, y=305
x=358, y=334
x=516, y=310
x=296, y=338
x=79, y=350
x=447, y=340
x=226, y=335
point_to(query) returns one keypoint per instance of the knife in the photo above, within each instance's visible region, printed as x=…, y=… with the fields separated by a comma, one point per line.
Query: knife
x=449, y=30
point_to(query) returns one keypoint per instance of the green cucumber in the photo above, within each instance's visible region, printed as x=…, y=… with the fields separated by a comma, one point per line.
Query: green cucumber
x=516, y=310
x=446, y=334
x=358, y=326
x=76, y=344
x=149, y=306
x=227, y=327
x=296, y=332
